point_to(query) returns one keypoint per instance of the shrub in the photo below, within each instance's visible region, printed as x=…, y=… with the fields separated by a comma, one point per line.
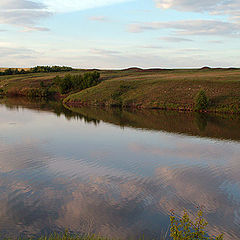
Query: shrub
x=42, y=84
x=186, y=229
x=201, y=101
x=38, y=93
x=22, y=71
x=77, y=82
x=65, y=84
x=8, y=71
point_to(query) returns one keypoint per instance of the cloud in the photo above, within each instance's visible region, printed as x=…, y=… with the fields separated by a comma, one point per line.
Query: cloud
x=188, y=5
x=98, y=18
x=27, y=13
x=20, y=4
x=151, y=47
x=216, y=42
x=193, y=27
x=103, y=52
x=219, y=7
x=76, y=5
x=12, y=55
x=31, y=29
x=23, y=13
x=175, y=39
x=14, y=51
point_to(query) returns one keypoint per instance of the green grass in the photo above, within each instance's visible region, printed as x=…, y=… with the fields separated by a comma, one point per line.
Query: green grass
x=174, y=89
x=164, y=89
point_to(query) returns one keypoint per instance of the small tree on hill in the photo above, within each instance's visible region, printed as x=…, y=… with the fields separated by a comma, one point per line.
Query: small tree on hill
x=201, y=101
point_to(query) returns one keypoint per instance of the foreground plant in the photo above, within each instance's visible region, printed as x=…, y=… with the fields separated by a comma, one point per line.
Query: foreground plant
x=186, y=229
x=180, y=229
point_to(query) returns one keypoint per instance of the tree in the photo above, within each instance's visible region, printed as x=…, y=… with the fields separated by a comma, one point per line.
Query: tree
x=201, y=101
x=8, y=71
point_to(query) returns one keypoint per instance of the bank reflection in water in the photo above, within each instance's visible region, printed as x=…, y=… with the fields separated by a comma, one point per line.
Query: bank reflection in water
x=80, y=170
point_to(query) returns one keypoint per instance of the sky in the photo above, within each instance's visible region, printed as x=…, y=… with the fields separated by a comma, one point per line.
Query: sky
x=120, y=33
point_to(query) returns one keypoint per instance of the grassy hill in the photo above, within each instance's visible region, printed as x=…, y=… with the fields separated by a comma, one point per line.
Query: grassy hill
x=138, y=88
x=165, y=89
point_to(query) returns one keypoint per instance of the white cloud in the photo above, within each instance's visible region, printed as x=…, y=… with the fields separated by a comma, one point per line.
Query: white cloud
x=103, y=52
x=76, y=5
x=23, y=13
x=98, y=18
x=175, y=39
x=20, y=4
x=27, y=13
x=8, y=49
x=188, y=5
x=220, y=7
x=22, y=17
x=193, y=27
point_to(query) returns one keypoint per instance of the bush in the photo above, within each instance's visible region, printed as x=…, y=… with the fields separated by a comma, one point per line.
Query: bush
x=42, y=84
x=201, y=101
x=38, y=93
x=8, y=71
x=184, y=228
x=22, y=71
x=77, y=82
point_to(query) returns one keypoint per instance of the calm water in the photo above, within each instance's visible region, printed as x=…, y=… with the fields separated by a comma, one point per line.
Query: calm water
x=115, y=173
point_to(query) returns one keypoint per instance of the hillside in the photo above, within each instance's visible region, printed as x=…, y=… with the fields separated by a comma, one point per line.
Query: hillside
x=165, y=89
x=139, y=88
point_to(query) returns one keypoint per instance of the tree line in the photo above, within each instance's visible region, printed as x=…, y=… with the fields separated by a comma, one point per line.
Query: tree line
x=37, y=69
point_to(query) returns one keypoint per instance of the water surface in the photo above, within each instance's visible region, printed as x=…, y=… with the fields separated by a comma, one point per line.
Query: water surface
x=115, y=172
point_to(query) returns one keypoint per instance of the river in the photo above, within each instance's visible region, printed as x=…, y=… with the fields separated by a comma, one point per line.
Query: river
x=116, y=173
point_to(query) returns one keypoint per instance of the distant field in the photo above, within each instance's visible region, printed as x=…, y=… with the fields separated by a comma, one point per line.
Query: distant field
x=168, y=89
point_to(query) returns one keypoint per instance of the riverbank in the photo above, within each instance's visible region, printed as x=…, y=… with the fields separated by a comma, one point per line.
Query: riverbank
x=138, y=88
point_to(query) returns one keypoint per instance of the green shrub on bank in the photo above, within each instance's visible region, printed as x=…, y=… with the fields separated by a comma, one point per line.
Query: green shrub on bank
x=77, y=82
x=201, y=101
x=38, y=93
x=186, y=229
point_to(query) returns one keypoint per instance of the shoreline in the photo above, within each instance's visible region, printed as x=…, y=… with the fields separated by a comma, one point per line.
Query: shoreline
x=136, y=107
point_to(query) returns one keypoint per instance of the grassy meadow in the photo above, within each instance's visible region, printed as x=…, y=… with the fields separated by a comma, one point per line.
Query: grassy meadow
x=137, y=88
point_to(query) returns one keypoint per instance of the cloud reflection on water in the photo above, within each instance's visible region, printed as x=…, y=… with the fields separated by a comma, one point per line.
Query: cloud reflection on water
x=44, y=188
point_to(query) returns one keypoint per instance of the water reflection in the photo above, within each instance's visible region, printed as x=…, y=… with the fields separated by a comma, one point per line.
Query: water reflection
x=78, y=171
x=218, y=126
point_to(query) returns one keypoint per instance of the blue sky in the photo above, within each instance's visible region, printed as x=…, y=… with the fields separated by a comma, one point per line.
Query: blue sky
x=120, y=33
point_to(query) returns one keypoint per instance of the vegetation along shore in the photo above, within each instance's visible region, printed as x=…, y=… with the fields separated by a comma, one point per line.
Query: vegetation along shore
x=181, y=228
x=204, y=90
